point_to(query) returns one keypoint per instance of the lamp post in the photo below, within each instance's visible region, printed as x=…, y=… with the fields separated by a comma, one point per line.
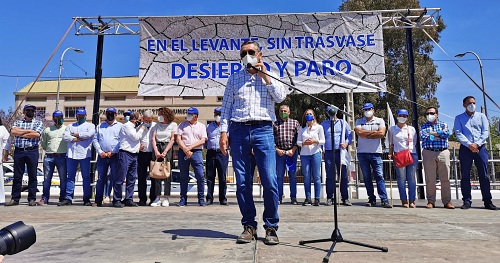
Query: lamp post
x=60, y=72
x=484, y=103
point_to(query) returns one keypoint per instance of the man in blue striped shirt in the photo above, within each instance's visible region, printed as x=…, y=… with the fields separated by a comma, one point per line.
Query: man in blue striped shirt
x=472, y=130
x=27, y=134
x=248, y=105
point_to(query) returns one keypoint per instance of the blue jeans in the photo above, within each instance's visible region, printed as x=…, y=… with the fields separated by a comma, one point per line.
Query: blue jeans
x=242, y=139
x=407, y=174
x=196, y=161
x=216, y=164
x=50, y=162
x=25, y=160
x=311, y=169
x=105, y=165
x=281, y=166
x=367, y=162
x=344, y=181
x=481, y=161
x=72, y=165
x=127, y=171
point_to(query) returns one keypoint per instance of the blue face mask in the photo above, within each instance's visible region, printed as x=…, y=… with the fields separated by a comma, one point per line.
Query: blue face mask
x=147, y=124
x=309, y=117
x=127, y=118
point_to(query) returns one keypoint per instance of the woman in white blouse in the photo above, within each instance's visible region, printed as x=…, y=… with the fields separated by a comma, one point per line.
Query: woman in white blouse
x=402, y=137
x=310, y=138
x=4, y=149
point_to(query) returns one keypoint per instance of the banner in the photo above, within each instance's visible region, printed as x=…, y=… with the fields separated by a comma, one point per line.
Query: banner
x=318, y=53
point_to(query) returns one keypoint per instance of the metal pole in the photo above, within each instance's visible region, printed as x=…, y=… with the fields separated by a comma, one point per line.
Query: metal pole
x=97, y=96
x=60, y=72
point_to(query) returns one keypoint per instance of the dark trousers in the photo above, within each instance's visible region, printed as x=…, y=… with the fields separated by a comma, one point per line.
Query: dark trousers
x=22, y=159
x=481, y=161
x=103, y=166
x=216, y=163
x=142, y=175
x=127, y=169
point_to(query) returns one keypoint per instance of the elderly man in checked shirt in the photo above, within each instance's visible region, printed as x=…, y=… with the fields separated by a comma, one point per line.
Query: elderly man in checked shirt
x=248, y=116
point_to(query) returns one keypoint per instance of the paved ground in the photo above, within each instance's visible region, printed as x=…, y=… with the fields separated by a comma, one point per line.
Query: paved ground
x=207, y=234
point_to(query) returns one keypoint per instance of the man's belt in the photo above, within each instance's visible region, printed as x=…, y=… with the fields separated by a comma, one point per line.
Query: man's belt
x=27, y=148
x=55, y=154
x=436, y=149
x=255, y=123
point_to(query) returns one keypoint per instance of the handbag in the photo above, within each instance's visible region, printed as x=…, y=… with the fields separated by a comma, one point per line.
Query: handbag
x=403, y=158
x=159, y=170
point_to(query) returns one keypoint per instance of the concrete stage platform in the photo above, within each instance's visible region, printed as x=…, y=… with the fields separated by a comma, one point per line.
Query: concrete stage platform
x=207, y=234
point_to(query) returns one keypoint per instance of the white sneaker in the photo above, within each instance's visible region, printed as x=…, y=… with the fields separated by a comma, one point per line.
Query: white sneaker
x=165, y=202
x=105, y=200
x=156, y=202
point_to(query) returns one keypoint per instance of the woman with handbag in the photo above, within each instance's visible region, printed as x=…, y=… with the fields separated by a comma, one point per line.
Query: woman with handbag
x=163, y=138
x=402, y=150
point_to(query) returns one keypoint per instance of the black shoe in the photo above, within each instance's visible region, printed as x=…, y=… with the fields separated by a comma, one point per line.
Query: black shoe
x=130, y=203
x=98, y=204
x=201, y=202
x=329, y=202
x=32, y=203
x=87, y=203
x=142, y=203
x=294, y=201
x=466, y=205
x=12, y=203
x=118, y=204
x=371, y=203
x=223, y=202
x=280, y=202
x=386, y=204
x=182, y=202
x=209, y=201
x=307, y=202
x=346, y=202
x=65, y=202
x=316, y=202
x=490, y=206
x=271, y=237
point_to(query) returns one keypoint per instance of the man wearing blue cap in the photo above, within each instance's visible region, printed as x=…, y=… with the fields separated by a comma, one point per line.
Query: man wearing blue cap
x=79, y=136
x=26, y=134
x=370, y=130
x=107, y=144
x=191, y=136
x=55, y=156
x=216, y=161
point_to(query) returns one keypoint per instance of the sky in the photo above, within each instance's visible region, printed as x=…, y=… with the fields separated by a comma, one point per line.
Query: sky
x=31, y=30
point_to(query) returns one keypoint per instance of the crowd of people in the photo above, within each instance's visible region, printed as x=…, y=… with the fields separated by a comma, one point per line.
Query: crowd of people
x=247, y=125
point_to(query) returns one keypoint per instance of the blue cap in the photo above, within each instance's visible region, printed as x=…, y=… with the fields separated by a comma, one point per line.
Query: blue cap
x=111, y=109
x=193, y=110
x=81, y=111
x=218, y=110
x=57, y=113
x=367, y=106
x=402, y=112
x=127, y=113
x=29, y=106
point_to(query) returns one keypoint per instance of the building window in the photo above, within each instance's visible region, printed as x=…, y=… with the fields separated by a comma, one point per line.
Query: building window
x=71, y=98
x=193, y=97
x=114, y=98
x=40, y=112
x=219, y=98
x=36, y=98
x=154, y=98
x=70, y=112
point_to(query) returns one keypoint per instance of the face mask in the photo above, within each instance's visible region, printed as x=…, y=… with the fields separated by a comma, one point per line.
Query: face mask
x=59, y=122
x=217, y=118
x=30, y=114
x=147, y=125
x=110, y=116
x=284, y=115
x=160, y=118
x=127, y=118
x=249, y=59
x=471, y=107
x=81, y=120
x=430, y=118
x=189, y=117
x=309, y=117
x=368, y=113
x=402, y=119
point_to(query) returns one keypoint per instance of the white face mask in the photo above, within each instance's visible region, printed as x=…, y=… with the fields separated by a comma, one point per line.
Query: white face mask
x=189, y=117
x=471, y=107
x=430, y=118
x=249, y=59
x=368, y=113
x=217, y=118
x=161, y=119
x=402, y=119
x=127, y=118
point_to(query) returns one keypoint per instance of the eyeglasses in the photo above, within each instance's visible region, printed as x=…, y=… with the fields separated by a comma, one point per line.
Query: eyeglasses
x=430, y=113
x=367, y=109
x=250, y=52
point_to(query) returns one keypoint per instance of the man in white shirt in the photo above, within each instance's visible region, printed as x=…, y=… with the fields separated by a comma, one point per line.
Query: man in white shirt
x=130, y=142
x=145, y=156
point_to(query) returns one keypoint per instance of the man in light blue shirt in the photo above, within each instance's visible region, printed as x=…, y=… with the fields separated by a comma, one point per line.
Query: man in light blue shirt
x=107, y=144
x=472, y=130
x=79, y=136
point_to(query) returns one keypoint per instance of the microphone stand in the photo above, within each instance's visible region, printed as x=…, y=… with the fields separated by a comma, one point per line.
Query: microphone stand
x=336, y=236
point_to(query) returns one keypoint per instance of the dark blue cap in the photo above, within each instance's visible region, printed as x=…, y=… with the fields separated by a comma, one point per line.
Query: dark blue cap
x=193, y=110
x=81, y=111
x=402, y=112
x=127, y=113
x=111, y=109
x=57, y=113
x=367, y=106
x=218, y=110
x=27, y=106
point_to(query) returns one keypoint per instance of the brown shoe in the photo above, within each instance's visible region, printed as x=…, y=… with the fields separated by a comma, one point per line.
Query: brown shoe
x=412, y=204
x=271, y=237
x=12, y=203
x=249, y=234
x=449, y=206
x=42, y=201
x=405, y=203
x=430, y=205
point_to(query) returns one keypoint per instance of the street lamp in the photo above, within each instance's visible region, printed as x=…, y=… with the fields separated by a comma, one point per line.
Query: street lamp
x=60, y=72
x=484, y=102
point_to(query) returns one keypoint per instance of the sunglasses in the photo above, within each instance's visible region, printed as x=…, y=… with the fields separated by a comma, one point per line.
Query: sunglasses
x=430, y=113
x=250, y=52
